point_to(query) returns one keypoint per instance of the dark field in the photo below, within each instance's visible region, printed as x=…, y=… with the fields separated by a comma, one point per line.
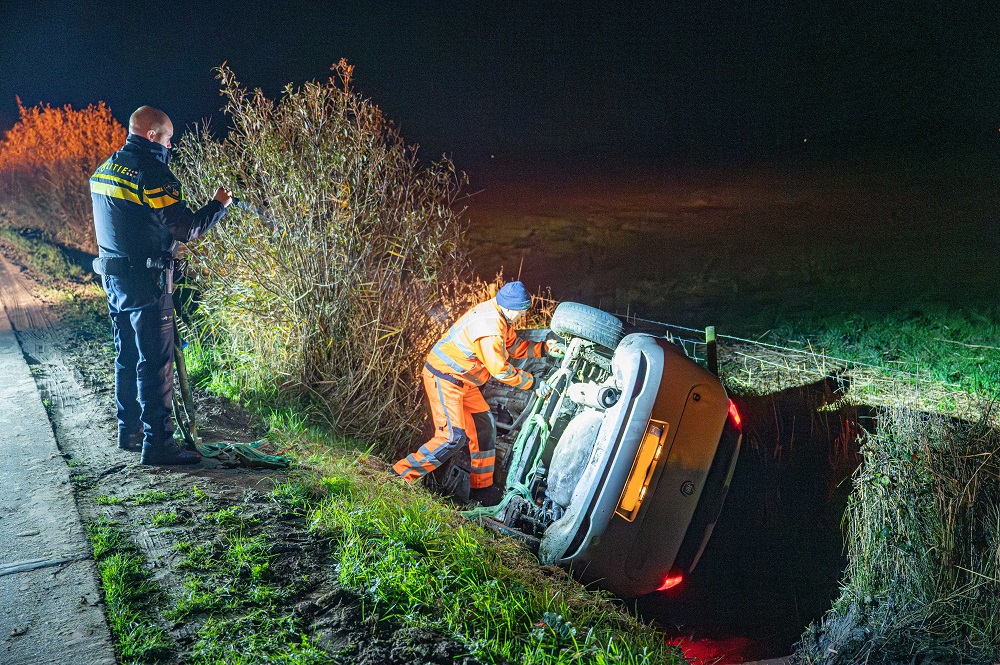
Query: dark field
x=905, y=251
x=748, y=247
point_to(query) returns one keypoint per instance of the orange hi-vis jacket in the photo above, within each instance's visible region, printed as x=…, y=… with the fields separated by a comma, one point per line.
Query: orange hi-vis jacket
x=479, y=345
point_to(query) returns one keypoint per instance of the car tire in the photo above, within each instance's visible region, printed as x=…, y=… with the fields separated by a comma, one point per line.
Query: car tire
x=571, y=319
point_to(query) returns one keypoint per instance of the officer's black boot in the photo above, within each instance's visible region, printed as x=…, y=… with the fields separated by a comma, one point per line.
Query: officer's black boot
x=130, y=441
x=167, y=454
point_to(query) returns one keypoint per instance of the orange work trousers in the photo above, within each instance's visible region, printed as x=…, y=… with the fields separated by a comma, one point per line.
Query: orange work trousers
x=455, y=403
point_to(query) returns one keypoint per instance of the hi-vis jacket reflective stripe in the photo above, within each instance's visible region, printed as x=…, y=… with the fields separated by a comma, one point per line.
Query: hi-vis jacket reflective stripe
x=139, y=208
x=479, y=345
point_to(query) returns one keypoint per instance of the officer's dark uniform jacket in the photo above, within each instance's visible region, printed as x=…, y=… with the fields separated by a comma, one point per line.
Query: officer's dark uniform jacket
x=139, y=211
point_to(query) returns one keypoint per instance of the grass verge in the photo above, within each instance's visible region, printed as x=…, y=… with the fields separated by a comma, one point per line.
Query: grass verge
x=50, y=263
x=421, y=564
x=128, y=592
x=923, y=537
x=954, y=348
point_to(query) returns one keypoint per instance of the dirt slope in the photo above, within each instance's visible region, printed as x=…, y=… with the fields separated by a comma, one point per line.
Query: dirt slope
x=205, y=513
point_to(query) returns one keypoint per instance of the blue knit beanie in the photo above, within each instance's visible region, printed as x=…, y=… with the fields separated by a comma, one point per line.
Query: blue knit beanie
x=513, y=295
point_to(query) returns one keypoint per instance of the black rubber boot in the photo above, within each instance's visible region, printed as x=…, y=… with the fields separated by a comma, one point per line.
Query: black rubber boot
x=487, y=496
x=130, y=441
x=167, y=454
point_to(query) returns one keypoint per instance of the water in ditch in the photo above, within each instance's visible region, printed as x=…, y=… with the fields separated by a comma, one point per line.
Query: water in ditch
x=776, y=555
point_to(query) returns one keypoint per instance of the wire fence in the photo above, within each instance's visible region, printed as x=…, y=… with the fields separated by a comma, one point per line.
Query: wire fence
x=758, y=366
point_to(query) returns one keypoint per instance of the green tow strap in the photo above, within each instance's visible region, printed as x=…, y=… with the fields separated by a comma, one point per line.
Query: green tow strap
x=230, y=454
x=243, y=454
x=535, y=422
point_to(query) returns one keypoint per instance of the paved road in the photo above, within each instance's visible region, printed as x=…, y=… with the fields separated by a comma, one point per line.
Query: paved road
x=49, y=592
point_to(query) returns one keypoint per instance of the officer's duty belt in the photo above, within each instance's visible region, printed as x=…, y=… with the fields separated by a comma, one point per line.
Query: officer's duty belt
x=111, y=265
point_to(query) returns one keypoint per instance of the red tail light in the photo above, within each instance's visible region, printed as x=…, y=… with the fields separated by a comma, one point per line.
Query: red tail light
x=734, y=415
x=670, y=581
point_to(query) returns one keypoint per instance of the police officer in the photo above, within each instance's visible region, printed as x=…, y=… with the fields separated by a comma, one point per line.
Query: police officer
x=140, y=214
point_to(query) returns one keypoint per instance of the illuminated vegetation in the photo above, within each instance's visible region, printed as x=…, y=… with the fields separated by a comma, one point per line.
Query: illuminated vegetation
x=424, y=565
x=46, y=160
x=923, y=544
x=353, y=268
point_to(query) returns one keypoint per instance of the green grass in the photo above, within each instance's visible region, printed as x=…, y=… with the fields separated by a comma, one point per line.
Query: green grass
x=127, y=592
x=289, y=420
x=951, y=347
x=150, y=496
x=256, y=636
x=296, y=498
x=109, y=500
x=231, y=518
x=241, y=615
x=47, y=259
x=205, y=371
x=161, y=519
x=422, y=565
x=197, y=598
x=196, y=555
x=248, y=557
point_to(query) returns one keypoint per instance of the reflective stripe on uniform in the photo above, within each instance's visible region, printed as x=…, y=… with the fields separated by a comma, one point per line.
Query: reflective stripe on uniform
x=451, y=338
x=115, y=180
x=440, y=354
x=447, y=417
x=159, y=197
x=161, y=201
x=114, y=191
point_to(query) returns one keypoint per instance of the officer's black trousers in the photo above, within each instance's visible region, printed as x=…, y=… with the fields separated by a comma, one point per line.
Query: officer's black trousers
x=144, y=369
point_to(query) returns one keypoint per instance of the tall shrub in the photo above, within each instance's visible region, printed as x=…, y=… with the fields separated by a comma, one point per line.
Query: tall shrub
x=355, y=267
x=923, y=543
x=45, y=162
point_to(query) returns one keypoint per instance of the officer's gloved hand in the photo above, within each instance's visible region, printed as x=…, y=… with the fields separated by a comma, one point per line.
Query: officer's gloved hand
x=554, y=349
x=223, y=196
x=543, y=389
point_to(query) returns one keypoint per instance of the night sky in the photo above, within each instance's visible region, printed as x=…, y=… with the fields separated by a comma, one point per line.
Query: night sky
x=664, y=80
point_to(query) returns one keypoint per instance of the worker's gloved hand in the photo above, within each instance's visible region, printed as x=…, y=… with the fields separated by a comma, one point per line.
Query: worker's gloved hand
x=554, y=349
x=543, y=389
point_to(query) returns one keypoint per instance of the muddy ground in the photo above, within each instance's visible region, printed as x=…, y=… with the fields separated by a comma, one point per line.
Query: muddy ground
x=201, y=511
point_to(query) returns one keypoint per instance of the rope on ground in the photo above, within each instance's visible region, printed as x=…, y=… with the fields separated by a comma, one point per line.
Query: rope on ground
x=242, y=454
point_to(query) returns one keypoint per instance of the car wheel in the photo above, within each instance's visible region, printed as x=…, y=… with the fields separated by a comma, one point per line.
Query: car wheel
x=571, y=319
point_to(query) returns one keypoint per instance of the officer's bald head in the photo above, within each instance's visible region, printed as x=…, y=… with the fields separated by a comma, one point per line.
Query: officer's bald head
x=152, y=124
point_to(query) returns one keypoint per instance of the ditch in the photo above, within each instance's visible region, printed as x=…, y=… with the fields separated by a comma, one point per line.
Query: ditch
x=777, y=553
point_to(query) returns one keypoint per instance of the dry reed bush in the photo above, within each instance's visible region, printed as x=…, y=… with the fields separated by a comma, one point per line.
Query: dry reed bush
x=923, y=542
x=357, y=269
x=46, y=160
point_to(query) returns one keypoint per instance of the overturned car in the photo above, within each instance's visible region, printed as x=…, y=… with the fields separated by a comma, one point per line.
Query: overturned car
x=621, y=474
